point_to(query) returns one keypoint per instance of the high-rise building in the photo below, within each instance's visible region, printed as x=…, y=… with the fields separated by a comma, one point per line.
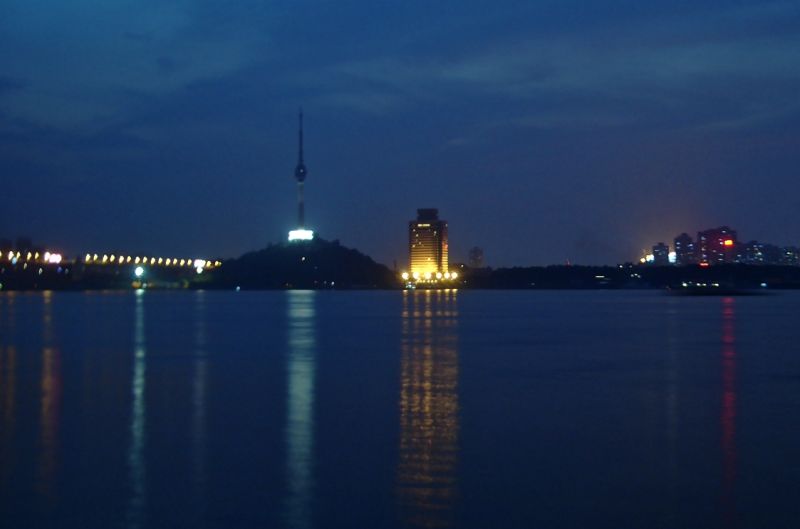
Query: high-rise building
x=300, y=172
x=427, y=244
x=716, y=246
x=661, y=254
x=684, y=250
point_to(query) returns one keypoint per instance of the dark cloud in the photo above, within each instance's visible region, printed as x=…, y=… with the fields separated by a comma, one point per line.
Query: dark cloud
x=544, y=131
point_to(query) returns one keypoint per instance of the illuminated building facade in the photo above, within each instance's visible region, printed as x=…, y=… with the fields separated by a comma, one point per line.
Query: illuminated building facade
x=427, y=244
x=716, y=246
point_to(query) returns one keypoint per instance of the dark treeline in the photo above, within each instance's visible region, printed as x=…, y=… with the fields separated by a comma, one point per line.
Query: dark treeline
x=321, y=264
x=634, y=276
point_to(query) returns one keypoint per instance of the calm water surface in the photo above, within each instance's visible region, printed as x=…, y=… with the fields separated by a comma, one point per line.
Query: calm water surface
x=388, y=409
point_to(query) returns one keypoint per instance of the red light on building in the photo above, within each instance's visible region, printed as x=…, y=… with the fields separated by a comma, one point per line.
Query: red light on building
x=704, y=265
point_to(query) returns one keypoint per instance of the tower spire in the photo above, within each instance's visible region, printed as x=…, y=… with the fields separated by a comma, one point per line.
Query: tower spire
x=300, y=142
x=300, y=171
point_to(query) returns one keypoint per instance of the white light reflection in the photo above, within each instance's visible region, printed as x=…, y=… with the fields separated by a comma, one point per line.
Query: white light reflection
x=199, y=423
x=300, y=408
x=136, y=461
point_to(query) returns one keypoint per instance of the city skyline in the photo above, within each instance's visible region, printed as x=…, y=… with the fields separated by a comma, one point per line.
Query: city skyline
x=547, y=132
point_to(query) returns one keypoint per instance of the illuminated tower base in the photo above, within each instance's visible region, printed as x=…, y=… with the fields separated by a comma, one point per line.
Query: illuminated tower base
x=301, y=234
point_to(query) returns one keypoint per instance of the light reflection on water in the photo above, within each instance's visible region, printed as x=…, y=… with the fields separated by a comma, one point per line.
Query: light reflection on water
x=8, y=383
x=136, y=513
x=728, y=412
x=50, y=401
x=210, y=410
x=199, y=383
x=429, y=424
x=301, y=372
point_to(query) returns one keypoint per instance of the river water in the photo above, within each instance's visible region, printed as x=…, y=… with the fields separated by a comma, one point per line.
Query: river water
x=468, y=409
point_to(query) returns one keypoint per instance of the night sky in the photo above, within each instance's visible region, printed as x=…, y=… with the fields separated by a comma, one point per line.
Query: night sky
x=543, y=131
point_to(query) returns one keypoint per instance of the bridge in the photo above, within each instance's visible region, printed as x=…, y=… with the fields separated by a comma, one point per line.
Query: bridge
x=42, y=269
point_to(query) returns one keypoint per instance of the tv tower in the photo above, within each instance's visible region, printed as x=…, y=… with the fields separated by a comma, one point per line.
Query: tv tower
x=300, y=173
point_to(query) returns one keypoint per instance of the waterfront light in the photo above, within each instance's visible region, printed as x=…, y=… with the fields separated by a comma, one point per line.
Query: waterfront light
x=139, y=272
x=405, y=276
x=453, y=275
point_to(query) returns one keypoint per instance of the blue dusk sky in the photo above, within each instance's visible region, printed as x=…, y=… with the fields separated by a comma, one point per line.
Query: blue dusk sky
x=544, y=131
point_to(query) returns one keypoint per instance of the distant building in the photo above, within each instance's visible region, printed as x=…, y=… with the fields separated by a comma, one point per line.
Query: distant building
x=476, y=257
x=790, y=256
x=661, y=254
x=717, y=246
x=427, y=244
x=684, y=250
